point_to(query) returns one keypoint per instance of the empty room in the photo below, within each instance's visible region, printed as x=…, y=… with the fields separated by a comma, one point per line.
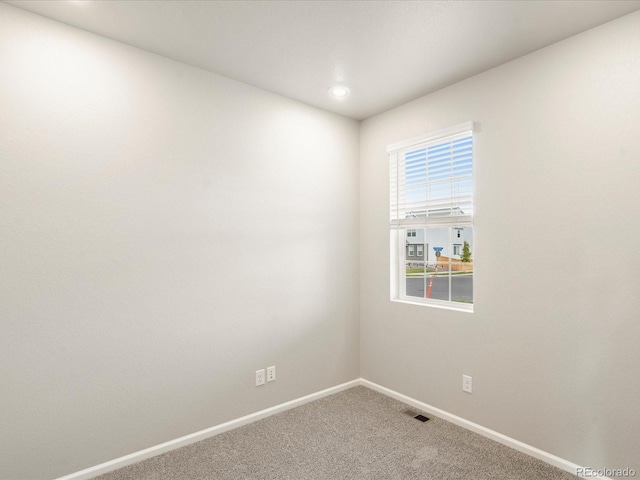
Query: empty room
x=319, y=239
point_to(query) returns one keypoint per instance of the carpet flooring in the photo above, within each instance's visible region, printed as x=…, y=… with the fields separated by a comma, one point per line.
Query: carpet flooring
x=354, y=434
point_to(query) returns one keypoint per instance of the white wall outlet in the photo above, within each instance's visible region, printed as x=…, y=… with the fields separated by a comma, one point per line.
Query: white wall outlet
x=271, y=374
x=259, y=377
x=467, y=383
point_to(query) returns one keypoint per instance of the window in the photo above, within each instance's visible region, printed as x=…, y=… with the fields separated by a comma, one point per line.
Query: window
x=431, y=199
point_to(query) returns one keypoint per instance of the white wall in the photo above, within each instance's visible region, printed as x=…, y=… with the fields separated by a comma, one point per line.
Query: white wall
x=165, y=232
x=553, y=343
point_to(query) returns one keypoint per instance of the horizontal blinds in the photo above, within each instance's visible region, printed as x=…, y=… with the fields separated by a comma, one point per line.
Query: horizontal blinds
x=393, y=184
x=432, y=183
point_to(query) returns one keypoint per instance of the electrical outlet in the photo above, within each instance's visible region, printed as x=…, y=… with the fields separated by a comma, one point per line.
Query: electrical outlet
x=259, y=377
x=467, y=383
x=271, y=374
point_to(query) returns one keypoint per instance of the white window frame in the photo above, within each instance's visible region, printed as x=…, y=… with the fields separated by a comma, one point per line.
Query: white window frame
x=411, y=251
x=420, y=250
x=398, y=232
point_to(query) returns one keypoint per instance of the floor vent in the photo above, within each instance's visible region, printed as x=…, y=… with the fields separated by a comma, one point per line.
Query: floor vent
x=416, y=415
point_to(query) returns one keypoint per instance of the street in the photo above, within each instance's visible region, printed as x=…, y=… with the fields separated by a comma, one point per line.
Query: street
x=461, y=287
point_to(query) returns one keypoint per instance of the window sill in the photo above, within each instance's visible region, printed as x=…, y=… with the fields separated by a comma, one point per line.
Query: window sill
x=463, y=307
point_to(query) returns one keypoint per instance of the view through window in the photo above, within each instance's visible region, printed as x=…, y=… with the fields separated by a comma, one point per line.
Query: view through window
x=431, y=203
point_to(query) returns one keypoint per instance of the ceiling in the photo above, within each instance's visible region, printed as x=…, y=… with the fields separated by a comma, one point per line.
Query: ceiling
x=386, y=52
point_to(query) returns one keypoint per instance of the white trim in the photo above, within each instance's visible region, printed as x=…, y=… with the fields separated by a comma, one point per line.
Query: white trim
x=433, y=222
x=432, y=302
x=223, y=427
x=202, y=434
x=430, y=137
x=484, y=431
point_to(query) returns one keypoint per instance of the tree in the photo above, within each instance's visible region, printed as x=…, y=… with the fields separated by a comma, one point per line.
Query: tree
x=466, y=253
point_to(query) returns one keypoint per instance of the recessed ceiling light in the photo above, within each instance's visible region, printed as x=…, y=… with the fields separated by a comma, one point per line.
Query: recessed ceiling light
x=339, y=91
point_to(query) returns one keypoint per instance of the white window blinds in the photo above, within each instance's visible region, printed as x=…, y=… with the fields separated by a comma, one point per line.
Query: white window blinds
x=431, y=178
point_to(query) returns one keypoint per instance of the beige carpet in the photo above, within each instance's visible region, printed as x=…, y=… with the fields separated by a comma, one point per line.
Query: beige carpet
x=355, y=434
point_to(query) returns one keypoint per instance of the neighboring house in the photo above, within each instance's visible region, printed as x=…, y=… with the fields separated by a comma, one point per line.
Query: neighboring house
x=415, y=245
x=421, y=249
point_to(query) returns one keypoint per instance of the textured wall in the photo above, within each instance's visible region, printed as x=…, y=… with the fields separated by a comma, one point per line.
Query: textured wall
x=165, y=232
x=552, y=346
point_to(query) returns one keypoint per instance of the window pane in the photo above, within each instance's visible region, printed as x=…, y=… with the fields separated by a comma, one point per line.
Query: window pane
x=415, y=279
x=414, y=250
x=437, y=284
x=462, y=267
x=437, y=263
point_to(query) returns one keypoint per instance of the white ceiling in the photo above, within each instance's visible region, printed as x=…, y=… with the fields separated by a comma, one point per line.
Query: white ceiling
x=386, y=52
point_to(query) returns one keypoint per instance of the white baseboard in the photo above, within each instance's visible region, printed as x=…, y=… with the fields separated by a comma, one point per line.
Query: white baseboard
x=223, y=427
x=202, y=434
x=484, y=431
